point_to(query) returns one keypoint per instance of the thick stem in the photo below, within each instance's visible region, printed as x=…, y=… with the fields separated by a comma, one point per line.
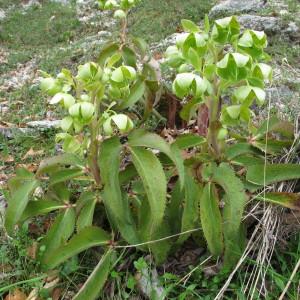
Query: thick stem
x=214, y=124
x=123, y=32
x=94, y=146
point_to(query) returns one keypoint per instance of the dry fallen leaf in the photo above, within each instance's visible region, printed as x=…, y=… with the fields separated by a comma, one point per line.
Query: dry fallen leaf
x=16, y=295
x=8, y=158
x=32, y=250
x=32, y=153
x=30, y=167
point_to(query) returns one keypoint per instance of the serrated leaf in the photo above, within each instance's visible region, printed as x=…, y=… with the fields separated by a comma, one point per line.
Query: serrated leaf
x=268, y=174
x=174, y=209
x=289, y=200
x=20, y=189
x=117, y=207
x=235, y=201
x=190, y=214
x=88, y=237
x=273, y=124
x=189, y=140
x=65, y=175
x=142, y=138
x=154, y=181
x=86, y=214
x=211, y=219
x=60, y=160
x=60, y=231
x=240, y=148
x=92, y=287
x=40, y=207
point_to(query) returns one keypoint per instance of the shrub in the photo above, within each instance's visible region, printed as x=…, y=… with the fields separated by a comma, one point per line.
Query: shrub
x=108, y=162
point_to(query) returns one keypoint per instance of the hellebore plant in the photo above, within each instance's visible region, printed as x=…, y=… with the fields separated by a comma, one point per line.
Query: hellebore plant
x=109, y=174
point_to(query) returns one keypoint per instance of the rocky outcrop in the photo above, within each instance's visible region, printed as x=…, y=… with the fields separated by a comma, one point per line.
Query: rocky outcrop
x=235, y=7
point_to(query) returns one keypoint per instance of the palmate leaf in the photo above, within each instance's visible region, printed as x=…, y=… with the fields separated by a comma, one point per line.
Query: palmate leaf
x=88, y=237
x=142, y=138
x=117, y=207
x=20, y=187
x=289, y=200
x=154, y=181
x=211, y=219
x=60, y=231
x=264, y=175
x=92, y=287
x=235, y=201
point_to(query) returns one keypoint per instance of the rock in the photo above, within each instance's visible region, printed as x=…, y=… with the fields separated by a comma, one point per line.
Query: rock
x=2, y=14
x=149, y=284
x=44, y=124
x=292, y=30
x=271, y=25
x=235, y=7
x=3, y=109
x=276, y=93
x=17, y=78
x=11, y=132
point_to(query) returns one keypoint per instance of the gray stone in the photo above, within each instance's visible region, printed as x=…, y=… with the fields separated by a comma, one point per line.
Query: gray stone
x=232, y=7
x=44, y=124
x=11, y=132
x=292, y=30
x=2, y=14
x=275, y=94
x=271, y=25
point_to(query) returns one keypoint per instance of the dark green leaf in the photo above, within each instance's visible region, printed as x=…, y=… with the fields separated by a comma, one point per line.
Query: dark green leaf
x=136, y=93
x=85, y=239
x=189, y=140
x=85, y=217
x=235, y=201
x=40, y=207
x=116, y=206
x=211, y=219
x=190, y=214
x=60, y=160
x=93, y=286
x=264, y=175
x=289, y=200
x=65, y=175
x=142, y=138
x=60, y=231
x=20, y=187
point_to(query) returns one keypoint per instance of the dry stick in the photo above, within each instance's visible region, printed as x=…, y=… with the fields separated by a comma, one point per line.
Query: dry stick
x=241, y=260
x=156, y=241
x=290, y=280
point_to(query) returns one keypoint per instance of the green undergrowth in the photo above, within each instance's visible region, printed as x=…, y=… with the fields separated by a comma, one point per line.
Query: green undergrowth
x=155, y=19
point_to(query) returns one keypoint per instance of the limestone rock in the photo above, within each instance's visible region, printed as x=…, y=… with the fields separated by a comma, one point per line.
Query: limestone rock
x=271, y=25
x=235, y=7
x=2, y=14
x=44, y=124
